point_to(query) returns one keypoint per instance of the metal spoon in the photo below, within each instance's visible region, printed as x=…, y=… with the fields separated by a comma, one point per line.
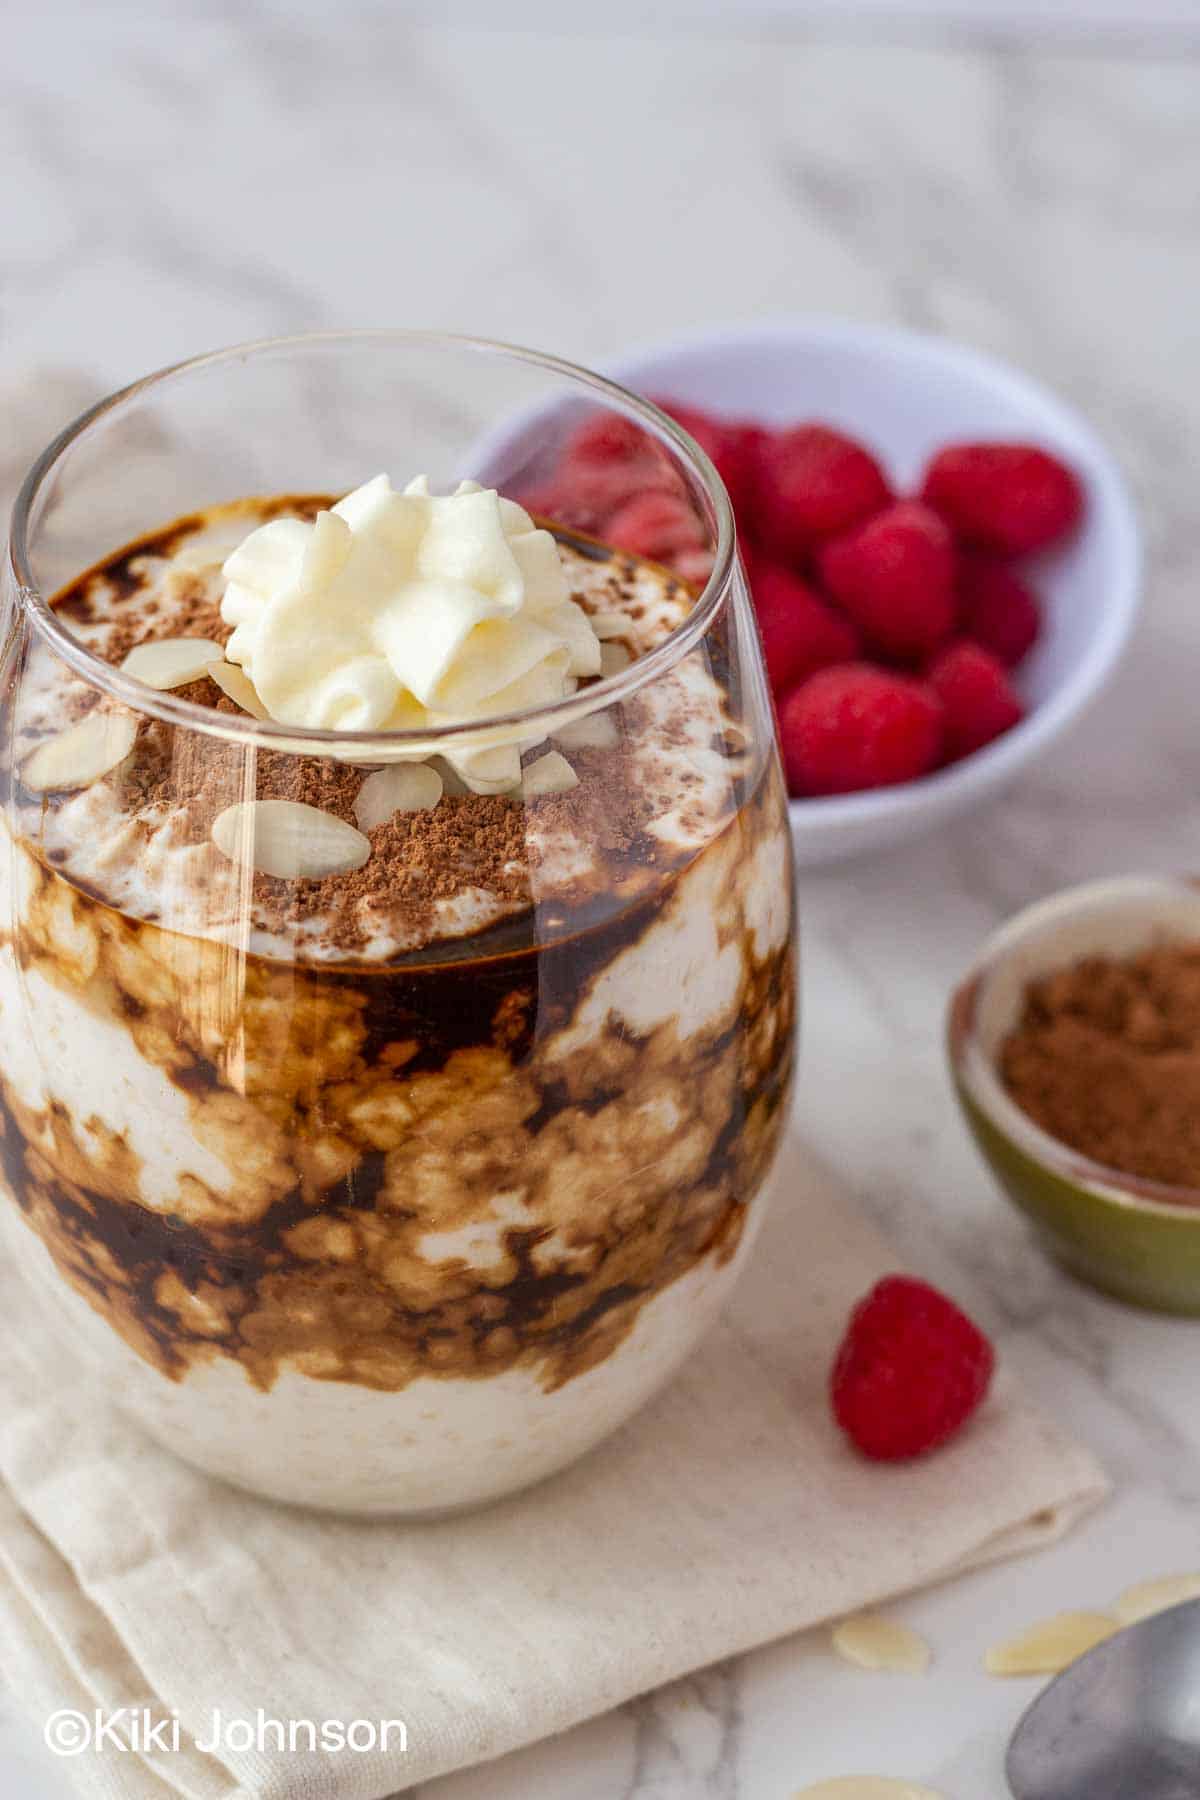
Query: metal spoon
x=1122, y=1723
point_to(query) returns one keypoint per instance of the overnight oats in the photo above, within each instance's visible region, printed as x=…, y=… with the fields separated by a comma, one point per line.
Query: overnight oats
x=397, y=988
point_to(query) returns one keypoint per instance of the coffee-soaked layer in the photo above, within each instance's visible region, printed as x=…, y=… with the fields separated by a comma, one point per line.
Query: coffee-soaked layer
x=373, y=1176
x=659, y=776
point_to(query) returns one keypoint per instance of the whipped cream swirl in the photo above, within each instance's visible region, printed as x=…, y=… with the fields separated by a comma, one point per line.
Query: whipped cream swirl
x=409, y=611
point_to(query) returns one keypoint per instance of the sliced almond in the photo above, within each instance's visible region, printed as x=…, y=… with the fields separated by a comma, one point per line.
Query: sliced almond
x=614, y=658
x=81, y=754
x=1050, y=1646
x=873, y=1642
x=171, y=662
x=289, y=840
x=550, y=774
x=597, y=732
x=866, y=1787
x=452, y=781
x=404, y=787
x=610, y=625
x=493, y=771
x=1150, y=1597
x=237, y=684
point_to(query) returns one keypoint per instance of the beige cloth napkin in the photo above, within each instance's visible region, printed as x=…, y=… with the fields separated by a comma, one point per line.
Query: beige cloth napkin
x=727, y=1514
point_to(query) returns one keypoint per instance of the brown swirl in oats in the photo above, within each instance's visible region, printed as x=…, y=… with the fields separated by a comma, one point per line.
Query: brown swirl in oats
x=370, y=1113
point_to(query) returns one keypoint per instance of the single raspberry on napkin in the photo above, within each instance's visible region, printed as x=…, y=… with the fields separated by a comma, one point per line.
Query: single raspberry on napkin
x=912, y=1369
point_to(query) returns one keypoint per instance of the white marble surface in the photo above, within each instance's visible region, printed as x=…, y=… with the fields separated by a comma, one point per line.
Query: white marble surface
x=172, y=186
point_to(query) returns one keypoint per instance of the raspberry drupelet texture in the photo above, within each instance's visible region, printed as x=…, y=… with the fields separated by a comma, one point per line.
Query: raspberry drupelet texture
x=800, y=633
x=731, y=445
x=978, y=700
x=895, y=577
x=1010, y=498
x=911, y=1370
x=812, y=483
x=657, y=525
x=856, y=727
x=997, y=609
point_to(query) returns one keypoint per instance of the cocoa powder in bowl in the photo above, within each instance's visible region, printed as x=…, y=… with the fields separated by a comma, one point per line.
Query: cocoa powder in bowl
x=1105, y=1057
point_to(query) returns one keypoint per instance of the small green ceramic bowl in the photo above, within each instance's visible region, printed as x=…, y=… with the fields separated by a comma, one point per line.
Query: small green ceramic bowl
x=1138, y=1240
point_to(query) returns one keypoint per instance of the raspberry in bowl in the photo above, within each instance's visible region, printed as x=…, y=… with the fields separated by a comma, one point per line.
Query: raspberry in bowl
x=928, y=496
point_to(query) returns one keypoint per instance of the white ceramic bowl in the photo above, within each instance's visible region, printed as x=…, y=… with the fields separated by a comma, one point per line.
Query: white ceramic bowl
x=905, y=395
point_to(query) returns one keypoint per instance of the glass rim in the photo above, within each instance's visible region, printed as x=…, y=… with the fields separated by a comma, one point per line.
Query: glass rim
x=272, y=734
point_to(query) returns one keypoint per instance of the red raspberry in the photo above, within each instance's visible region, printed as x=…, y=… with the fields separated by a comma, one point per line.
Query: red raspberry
x=1006, y=497
x=542, y=502
x=977, y=698
x=857, y=726
x=895, y=577
x=730, y=445
x=607, y=461
x=585, y=495
x=605, y=437
x=740, y=465
x=911, y=1370
x=812, y=483
x=997, y=609
x=657, y=525
x=708, y=431
x=563, y=504
x=800, y=633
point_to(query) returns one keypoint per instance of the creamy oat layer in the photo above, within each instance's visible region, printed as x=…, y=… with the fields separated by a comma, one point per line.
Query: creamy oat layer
x=398, y=1245
x=657, y=778
x=387, y=1230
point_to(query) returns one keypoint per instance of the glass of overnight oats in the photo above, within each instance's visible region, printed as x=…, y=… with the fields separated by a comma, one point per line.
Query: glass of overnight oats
x=397, y=984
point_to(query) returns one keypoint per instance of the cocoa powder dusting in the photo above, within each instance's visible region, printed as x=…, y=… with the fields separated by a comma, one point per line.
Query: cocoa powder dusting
x=1106, y=1058
x=417, y=858
x=485, y=841
x=195, y=612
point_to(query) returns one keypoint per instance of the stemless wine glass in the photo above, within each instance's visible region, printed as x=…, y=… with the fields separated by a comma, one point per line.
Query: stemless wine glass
x=378, y=1223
